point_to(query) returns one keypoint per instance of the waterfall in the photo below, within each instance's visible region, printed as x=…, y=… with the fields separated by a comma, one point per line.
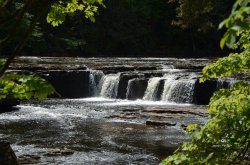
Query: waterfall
x=169, y=84
x=172, y=87
x=129, y=91
x=95, y=77
x=225, y=83
x=178, y=90
x=109, y=85
x=152, y=89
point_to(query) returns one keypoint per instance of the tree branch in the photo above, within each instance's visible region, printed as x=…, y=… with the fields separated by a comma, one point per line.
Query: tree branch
x=17, y=21
x=23, y=41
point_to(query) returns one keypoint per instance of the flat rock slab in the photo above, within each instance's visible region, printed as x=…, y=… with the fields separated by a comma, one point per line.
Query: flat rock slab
x=59, y=152
x=126, y=64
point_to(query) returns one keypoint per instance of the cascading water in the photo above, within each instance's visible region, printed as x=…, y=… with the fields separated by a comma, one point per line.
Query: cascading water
x=228, y=84
x=95, y=77
x=177, y=87
x=129, y=91
x=178, y=90
x=109, y=85
x=168, y=86
x=152, y=89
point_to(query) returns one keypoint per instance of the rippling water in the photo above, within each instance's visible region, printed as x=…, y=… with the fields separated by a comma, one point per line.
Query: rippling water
x=100, y=131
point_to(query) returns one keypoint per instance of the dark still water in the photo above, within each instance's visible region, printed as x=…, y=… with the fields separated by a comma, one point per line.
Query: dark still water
x=97, y=130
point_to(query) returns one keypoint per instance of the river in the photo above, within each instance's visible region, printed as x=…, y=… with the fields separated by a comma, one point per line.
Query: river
x=132, y=111
x=99, y=131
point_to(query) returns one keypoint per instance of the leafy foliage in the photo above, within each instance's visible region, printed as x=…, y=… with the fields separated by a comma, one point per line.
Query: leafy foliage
x=237, y=21
x=60, y=9
x=201, y=15
x=24, y=87
x=1, y=63
x=234, y=63
x=225, y=138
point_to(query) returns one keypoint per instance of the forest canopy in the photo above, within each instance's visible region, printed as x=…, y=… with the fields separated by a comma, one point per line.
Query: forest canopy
x=123, y=28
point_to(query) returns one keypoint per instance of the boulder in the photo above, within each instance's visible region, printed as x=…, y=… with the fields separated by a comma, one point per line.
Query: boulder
x=7, y=155
x=204, y=91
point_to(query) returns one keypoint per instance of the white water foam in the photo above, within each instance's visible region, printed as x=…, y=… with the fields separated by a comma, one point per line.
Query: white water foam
x=109, y=85
x=178, y=89
x=152, y=88
x=95, y=77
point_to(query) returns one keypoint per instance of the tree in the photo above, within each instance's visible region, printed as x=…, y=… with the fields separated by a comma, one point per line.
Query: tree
x=225, y=138
x=199, y=17
x=128, y=28
x=17, y=22
x=57, y=12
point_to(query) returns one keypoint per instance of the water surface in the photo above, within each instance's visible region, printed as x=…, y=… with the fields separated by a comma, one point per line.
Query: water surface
x=100, y=131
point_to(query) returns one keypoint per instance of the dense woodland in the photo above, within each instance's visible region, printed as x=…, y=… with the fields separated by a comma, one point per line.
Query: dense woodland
x=132, y=28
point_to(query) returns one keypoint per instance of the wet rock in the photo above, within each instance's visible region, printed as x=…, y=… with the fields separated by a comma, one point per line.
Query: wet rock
x=243, y=76
x=143, y=68
x=66, y=151
x=193, y=67
x=123, y=83
x=69, y=84
x=59, y=152
x=116, y=68
x=123, y=116
x=29, y=159
x=159, y=123
x=7, y=155
x=35, y=64
x=131, y=110
x=137, y=89
x=175, y=113
x=184, y=64
x=184, y=126
x=53, y=152
x=204, y=91
x=153, y=74
x=223, y=84
x=7, y=105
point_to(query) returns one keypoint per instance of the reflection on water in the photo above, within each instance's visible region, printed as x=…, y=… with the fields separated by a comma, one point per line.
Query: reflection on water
x=100, y=131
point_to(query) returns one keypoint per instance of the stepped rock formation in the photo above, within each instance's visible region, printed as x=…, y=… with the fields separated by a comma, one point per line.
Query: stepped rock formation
x=154, y=79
